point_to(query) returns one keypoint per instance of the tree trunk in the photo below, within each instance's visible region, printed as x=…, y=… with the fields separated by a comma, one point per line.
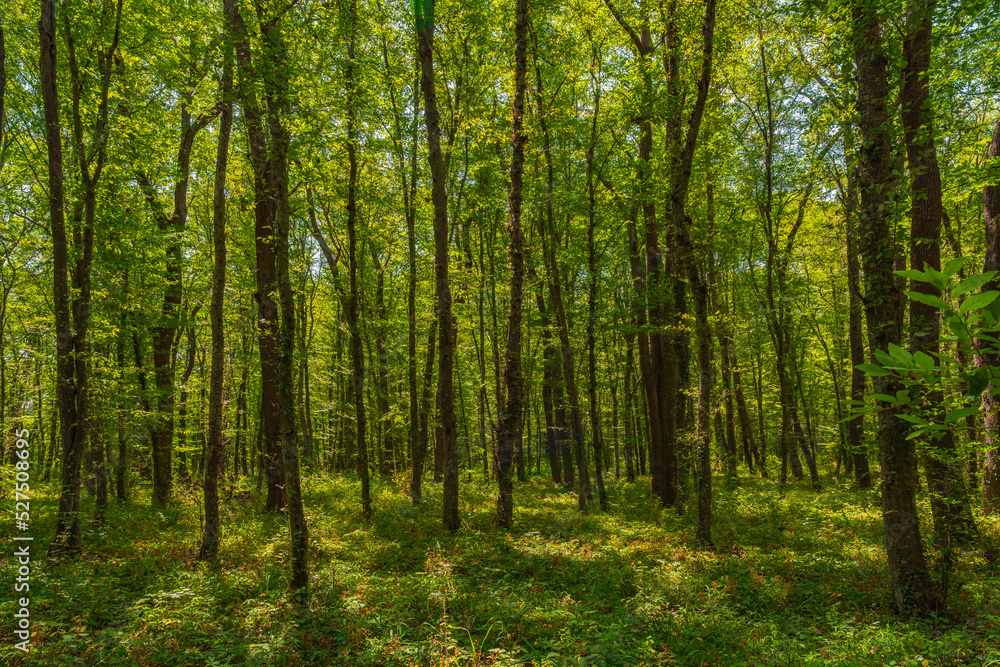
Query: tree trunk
x=210, y=537
x=447, y=332
x=911, y=582
x=548, y=385
x=510, y=413
x=275, y=74
x=985, y=355
x=595, y=415
x=629, y=431
x=420, y=450
x=387, y=463
x=855, y=427
x=267, y=310
x=681, y=178
x=72, y=345
x=953, y=522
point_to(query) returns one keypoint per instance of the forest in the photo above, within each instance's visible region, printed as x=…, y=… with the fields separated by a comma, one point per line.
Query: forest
x=469, y=332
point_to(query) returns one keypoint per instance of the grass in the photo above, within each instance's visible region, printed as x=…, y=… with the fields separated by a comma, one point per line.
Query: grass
x=797, y=578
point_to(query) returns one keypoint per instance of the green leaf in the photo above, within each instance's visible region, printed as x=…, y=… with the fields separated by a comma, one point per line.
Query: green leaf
x=937, y=278
x=916, y=434
x=924, y=361
x=913, y=274
x=912, y=419
x=976, y=381
x=873, y=370
x=928, y=299
x=953, y=266
x=899, y=354
x=991, y=314
x=977, y=301
x=959, y=328
x=973, y=283
x=960, y=413
x=884, y=397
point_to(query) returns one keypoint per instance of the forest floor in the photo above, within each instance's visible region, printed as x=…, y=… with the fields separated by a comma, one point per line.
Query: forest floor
x=798, y=577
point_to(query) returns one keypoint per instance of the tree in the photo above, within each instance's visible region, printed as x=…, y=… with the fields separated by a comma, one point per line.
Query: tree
x=509, y=431
x=911, y=583
x=953, y=522
x=216, y=449
x=447, y=332
x=985, y=356
x=73, y=347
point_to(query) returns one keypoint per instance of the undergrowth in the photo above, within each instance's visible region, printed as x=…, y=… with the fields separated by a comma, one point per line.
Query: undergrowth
x=797, y=577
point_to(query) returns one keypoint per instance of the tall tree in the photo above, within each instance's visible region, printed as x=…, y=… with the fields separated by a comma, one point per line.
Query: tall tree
x=985, y=355
x=592, y=177
x=855, y=425
x=276, y=73
x=953, y=523
x=71, y=435
x=171, y=225
x=216, y=448
x=73, y=344
x=911, y=582
x=447, y=331
x=683, y=160
x=267, y=309
x=657, y=351
x=509, y=430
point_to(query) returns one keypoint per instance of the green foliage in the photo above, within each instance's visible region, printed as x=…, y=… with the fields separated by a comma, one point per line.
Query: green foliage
x=971, y=315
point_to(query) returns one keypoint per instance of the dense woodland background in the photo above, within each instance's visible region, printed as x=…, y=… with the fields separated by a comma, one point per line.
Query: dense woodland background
x=676, y=258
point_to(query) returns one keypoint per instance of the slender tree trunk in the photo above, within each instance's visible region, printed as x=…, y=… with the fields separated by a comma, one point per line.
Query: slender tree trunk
x=911, y=582
x=681, y=176
x=418, y=446
x=182, y=409
x=985, y=355
x=510, y=412
x=353, y=299
x=595, y=415
x=121, y=465
x=210, y=536
x=750, y=451
x=425, y=401
x=727, y=433
x=447, y=332
x=387, y=463
x=267, y=309
x=548, y=382
x=855, y=427
x=72, y=345
x=953, y=522
x=276, y=67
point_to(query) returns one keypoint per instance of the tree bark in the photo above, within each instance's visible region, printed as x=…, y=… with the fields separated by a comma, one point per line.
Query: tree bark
x=276, y=67
x=210, y=537
x=855, y=426
x=387, y=461
x=267, y=309
x=420, y=453
x=548, y=383
x=447, y=332
x=953, y=522
x=911, y=582
x=510, y=413
x=595, y=415
x=986, y=355
x=72, y=318
x=680, y=182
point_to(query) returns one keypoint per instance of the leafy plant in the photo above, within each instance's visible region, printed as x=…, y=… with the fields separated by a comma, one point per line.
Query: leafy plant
x=973, y=319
